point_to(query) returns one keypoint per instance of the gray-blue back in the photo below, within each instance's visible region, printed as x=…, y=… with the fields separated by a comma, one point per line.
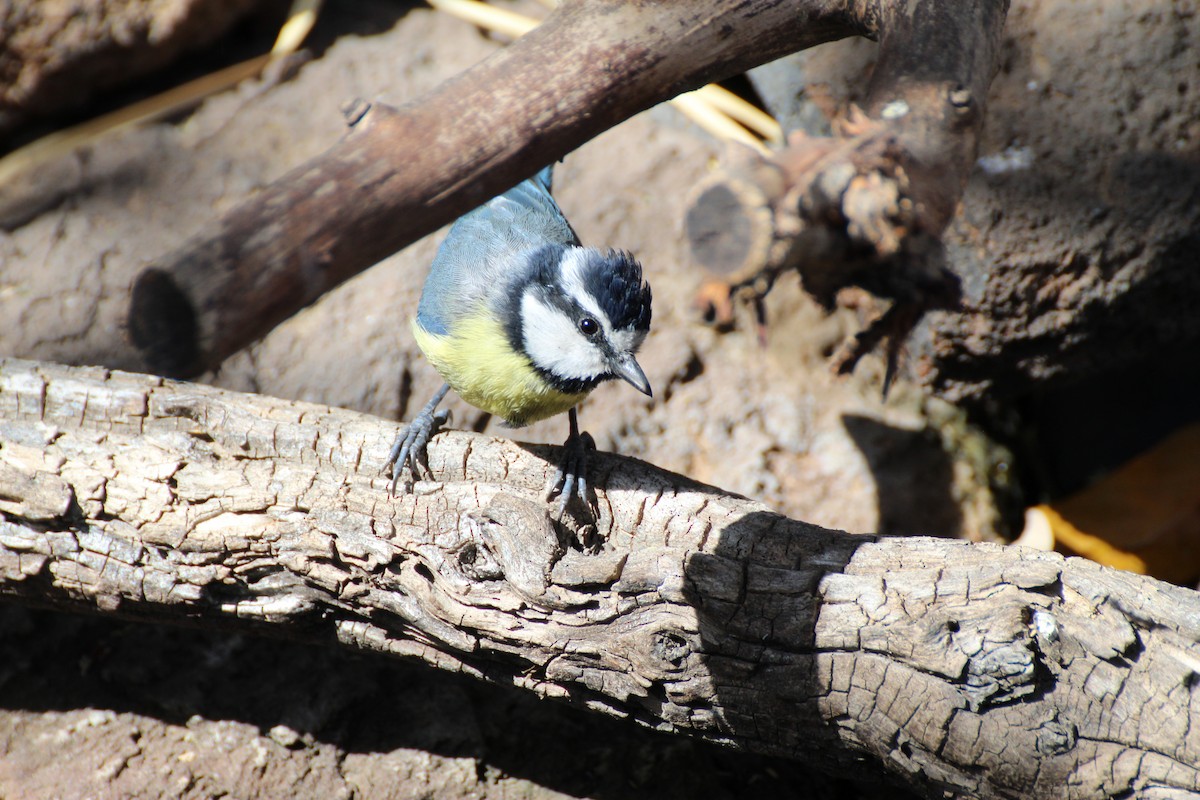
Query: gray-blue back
x=483, y=252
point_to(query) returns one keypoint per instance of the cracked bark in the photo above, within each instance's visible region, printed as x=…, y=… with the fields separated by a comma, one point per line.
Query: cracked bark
x=975, y=669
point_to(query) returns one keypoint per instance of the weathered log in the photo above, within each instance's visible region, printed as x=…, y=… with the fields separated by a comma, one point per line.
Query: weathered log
x=982, y=670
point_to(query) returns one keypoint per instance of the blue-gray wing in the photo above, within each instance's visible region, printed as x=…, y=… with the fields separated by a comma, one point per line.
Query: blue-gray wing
x=486, y=246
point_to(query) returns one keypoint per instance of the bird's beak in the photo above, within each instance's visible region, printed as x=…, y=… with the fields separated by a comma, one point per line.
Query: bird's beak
x=625, y=367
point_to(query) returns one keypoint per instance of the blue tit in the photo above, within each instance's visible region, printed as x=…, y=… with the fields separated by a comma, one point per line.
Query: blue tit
x=523, y=322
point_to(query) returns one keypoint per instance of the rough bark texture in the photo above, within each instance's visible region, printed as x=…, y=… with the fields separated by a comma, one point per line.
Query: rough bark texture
x=1077, y=244
x=865, y=208
x=824, y=205
x=1077, y=225
x=55, y=56
x=988, y=671
x=403, y=172
x=1091, y=91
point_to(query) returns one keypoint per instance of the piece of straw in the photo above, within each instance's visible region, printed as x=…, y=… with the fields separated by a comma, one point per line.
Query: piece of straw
x=716, y=110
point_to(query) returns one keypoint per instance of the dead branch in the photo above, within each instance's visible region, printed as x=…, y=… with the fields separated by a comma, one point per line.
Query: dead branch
x=401, y=173
x=975, y=669
x=866, y=207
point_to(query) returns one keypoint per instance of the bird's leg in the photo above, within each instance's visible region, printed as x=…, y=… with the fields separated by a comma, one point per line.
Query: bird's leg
x=412, y=443
x=570, y=480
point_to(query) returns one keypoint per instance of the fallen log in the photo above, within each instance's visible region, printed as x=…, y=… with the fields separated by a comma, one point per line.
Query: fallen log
x=976, y=669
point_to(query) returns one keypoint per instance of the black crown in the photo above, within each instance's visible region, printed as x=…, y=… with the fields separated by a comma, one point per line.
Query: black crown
x=615, y=280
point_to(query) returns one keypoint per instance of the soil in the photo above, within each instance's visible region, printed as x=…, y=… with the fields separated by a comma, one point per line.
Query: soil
x=98, y=708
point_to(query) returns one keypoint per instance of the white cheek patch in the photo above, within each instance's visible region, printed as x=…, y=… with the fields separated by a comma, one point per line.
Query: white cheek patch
x=553, y=343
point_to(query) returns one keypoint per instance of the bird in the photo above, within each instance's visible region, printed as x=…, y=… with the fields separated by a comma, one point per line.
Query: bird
x=522, y=321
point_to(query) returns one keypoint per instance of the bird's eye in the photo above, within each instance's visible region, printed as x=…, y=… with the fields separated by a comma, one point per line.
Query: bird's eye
x=589, y=326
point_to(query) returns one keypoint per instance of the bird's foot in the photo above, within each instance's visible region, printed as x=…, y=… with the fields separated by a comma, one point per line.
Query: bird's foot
x=570, y=479
x=412, y=445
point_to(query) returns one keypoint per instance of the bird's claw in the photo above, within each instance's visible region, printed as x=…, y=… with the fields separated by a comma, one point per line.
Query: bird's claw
x=570, y=479
x=412, y=445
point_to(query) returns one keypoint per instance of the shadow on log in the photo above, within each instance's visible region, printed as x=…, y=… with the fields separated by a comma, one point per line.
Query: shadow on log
x=982, y=670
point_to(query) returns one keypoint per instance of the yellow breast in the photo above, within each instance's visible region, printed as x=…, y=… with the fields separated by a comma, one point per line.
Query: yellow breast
x=478, y=363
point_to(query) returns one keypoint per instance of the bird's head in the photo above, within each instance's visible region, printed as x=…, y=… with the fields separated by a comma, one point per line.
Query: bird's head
x=580, y=317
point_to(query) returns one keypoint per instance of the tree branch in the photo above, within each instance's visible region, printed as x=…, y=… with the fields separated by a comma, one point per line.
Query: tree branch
x=982, y=670
x=865, y=207
x=401, y=173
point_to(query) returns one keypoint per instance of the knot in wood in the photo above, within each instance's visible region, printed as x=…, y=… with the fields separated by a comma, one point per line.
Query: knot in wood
x=354, y=110
x=163, y=323
x=670, y=646
x=1055, y=737
x=477, y=563
x=1004, y=664
x=510, y=539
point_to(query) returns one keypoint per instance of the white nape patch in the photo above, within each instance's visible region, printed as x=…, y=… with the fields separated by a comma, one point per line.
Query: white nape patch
x=571, y=268
x=554, y=344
